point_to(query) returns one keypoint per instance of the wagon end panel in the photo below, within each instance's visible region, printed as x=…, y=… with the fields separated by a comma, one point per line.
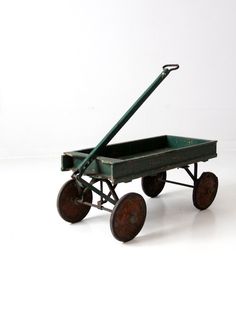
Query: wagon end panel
x=101, y=167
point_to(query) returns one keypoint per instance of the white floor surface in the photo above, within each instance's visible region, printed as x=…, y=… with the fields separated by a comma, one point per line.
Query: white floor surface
x=183, y=261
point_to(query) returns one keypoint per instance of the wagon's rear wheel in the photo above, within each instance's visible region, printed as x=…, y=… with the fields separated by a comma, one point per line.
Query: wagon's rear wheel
x=128, y=217
x=205, y=189
x=68, y=205
x=153, y=185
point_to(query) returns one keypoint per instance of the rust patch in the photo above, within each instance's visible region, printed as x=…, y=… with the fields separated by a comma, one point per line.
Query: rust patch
x=205, y=190
x=128, y=217
x=67, y=202
x=153, y=185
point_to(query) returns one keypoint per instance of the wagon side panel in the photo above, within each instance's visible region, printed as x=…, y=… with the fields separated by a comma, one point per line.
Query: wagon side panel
x=150, y=165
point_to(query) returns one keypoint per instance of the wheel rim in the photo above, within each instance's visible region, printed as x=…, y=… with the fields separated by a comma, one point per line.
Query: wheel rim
x=128, y=217
x=67, y=202
x=152, y=185
x=205, y=190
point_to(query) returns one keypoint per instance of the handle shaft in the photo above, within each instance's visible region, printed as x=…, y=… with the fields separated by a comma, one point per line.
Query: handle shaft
x=108, y=137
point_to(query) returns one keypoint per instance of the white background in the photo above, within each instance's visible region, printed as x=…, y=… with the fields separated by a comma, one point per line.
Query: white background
x=68, y=71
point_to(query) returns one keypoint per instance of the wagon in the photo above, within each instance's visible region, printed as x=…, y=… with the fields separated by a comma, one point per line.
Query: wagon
x=148, y=159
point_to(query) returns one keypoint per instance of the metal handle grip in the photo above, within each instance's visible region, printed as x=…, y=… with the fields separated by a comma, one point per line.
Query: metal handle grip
x=170, y=67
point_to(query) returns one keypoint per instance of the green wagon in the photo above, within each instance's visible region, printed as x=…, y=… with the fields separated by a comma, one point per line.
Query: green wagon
x=148, y=159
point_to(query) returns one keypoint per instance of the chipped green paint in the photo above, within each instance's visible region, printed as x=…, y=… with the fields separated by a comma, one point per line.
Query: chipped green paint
x=124, y=162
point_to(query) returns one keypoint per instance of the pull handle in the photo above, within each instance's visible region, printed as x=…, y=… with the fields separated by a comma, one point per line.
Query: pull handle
x=170, y=67
x=109, y=136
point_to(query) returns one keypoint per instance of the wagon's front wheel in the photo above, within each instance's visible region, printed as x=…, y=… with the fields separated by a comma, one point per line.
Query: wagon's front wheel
x=128, y=217
x=69, y=203
x=205, y=189
x=153, y=185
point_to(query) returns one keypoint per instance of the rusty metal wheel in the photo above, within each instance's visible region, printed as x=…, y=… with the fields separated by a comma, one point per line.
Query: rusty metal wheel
x=67, y=202
x=128, y=217
x=205, y=189
x=153, y=185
